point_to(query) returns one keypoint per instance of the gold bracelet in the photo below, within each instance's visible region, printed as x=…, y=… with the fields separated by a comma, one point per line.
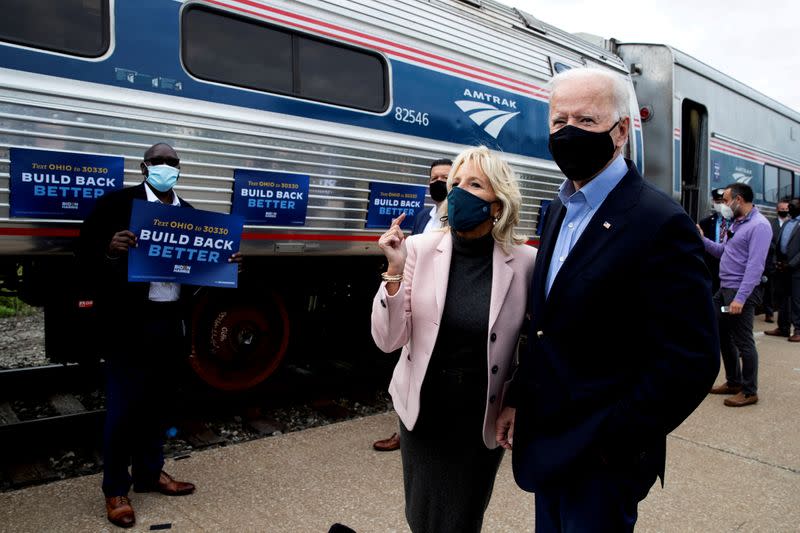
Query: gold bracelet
x=391, y=277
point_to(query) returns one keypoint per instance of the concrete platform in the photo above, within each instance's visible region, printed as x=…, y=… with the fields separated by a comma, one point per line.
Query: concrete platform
x=728, y=470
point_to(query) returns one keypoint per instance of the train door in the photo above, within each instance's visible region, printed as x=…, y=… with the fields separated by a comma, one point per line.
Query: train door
x=694, y=155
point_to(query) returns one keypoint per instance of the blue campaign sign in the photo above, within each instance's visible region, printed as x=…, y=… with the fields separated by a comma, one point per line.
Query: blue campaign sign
x=270, y=198
x=387, y=201
x=60, y=185
x=181, y=245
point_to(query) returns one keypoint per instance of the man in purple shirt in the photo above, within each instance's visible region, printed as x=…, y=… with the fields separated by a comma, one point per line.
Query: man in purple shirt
x=742, y=256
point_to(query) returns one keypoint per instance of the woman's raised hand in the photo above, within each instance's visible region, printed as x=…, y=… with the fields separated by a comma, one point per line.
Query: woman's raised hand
x=394, y=247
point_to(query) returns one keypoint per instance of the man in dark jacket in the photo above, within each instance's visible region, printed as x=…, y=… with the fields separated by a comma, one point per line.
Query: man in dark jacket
x=595, y=397
x=144, y=339
x=715, y=227
x=787, y=274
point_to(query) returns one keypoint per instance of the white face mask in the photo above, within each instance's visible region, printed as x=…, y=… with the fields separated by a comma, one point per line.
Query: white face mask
x=726, y=211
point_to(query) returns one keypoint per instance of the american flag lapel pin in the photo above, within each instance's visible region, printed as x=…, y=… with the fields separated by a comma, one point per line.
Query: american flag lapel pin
x=606, y=225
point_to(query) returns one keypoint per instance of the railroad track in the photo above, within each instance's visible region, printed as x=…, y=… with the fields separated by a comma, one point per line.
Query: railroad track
x=40, y=401
x=56, y=411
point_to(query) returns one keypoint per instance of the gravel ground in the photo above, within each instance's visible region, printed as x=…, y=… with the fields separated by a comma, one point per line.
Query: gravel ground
x=22, y=341
x=81, y=460
x=22, y=345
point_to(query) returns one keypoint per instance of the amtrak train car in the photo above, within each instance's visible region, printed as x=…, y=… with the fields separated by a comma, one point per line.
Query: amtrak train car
x=350, y=99
x=704, y=130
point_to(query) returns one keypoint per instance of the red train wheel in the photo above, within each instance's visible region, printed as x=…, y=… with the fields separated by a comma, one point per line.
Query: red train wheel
x=237, y=344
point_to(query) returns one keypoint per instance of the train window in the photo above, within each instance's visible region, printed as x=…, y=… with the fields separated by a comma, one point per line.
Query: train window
x=770, y=184
x=796, y=189
x=75, y=27
x=233, y=50
x=784, y=183
x=339, y=75
x=237, y=52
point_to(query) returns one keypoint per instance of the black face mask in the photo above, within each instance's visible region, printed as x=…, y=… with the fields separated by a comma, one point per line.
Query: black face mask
x=438, y=190
x=783, y=214
x=580, y=154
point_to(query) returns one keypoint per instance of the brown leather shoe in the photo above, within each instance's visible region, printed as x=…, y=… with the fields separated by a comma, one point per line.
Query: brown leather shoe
x=167, y=485
x=777, y=332
x=119, y=511
x=794, y=338
x=388, y=445
x=741, y=399
x=725, y=389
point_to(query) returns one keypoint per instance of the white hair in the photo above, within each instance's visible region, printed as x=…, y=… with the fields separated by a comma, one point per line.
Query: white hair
x=619, y=87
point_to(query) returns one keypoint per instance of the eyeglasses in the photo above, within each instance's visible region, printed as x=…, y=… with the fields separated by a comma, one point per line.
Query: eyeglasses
x=171, y=161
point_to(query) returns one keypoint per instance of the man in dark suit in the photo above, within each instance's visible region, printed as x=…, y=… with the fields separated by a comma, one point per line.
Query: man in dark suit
x=715, y=226
x=594, y=397
x=771, y=296
x=144, y=338
x=787, y=274
x=437, y=188
x=424, y=221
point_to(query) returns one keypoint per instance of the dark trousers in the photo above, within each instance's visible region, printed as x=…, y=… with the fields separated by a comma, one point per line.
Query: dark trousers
x=139, y=381
x=602, y=500
x=787, y=300
x=736, y=340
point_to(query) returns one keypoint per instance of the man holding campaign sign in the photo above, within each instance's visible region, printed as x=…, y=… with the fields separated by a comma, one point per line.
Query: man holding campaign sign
x=139, y=248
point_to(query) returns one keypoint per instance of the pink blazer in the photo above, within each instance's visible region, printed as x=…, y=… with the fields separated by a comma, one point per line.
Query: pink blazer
x=412, y=316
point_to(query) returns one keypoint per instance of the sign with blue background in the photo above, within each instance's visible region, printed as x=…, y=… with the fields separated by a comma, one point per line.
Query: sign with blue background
x=388, y=201
x=181, y=245
x=270, y=198
x=60, y=185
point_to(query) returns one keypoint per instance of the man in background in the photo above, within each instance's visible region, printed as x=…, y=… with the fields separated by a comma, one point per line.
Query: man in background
x=714, y=226
x=742, y=259
x=787, y=273
x=771, y=299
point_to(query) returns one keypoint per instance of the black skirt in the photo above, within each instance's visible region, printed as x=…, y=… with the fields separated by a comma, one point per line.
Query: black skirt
x=448, y=481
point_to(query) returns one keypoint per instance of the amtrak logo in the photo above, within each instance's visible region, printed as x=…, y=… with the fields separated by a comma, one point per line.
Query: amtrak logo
x=741, y=177
x=484, y=114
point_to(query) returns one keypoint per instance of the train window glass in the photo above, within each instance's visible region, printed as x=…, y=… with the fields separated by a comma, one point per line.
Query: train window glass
x=229, y=49
x=796, y=189
x=75, y=27
x=340, y=75
x=770, y=184
x=784, y=183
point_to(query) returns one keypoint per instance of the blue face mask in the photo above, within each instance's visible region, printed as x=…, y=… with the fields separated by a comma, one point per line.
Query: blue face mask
x=465, y=210
x=162, y=177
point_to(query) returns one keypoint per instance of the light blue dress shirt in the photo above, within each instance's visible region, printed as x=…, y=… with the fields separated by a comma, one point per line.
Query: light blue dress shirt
x=581, y=206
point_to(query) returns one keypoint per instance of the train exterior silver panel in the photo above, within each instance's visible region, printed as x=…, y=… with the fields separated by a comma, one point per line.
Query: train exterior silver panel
x=720, y=131
x=141, y=91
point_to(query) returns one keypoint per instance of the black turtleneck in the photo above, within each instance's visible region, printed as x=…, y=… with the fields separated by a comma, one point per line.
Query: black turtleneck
x=455, y=382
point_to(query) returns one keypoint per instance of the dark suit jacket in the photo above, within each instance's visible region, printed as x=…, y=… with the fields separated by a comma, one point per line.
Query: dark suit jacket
x=792, y=255
x=421, y=220
x=119, y=304
x=624, y=348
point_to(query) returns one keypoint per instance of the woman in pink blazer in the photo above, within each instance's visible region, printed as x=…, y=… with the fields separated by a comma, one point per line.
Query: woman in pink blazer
x=454, y=300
